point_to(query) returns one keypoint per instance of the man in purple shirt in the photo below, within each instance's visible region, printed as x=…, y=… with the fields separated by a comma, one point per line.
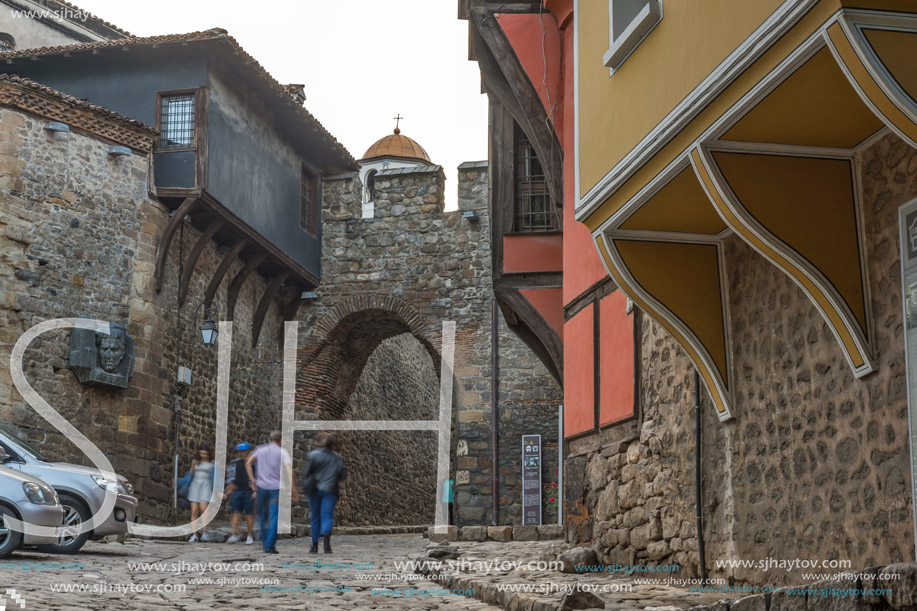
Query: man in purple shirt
x=274, y=468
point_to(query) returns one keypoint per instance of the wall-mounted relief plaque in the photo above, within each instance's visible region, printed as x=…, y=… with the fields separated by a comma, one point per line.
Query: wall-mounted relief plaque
x=104, y=359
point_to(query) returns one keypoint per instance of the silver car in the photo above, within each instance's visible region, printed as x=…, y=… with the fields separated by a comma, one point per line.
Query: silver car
x=81, y=491
x=29, y=500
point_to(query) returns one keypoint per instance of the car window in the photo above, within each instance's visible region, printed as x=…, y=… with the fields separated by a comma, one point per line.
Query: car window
x=25, y=447
x=14, y=456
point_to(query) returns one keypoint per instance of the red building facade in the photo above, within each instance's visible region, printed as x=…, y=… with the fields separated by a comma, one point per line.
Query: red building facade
x=548, y=278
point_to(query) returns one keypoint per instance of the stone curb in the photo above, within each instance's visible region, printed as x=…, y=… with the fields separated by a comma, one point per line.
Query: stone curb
x=902, y=598
x=903, y=595
x=487, y=591
x=303, y=530
x=544, y=532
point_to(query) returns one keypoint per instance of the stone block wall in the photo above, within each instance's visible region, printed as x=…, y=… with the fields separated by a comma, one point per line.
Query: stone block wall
x=392, y=475
x=525, y=408
x=402, y=273
x=815, y=463
x=78, y=237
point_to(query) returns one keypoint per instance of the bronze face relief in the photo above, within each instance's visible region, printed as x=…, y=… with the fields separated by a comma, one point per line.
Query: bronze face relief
x=102, y=359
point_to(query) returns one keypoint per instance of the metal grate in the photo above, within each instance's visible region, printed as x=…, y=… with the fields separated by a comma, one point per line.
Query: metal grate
x=176, y=121
x=308, y=211
x=534, y=208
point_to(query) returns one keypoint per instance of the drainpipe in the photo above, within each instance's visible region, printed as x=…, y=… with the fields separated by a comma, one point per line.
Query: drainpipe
x=178, y=397
x=698, y=490
x=494, y=402
x=560, y=465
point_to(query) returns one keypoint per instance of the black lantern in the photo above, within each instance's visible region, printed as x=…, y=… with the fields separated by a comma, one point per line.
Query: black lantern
x=209, y=332
x=209, y=328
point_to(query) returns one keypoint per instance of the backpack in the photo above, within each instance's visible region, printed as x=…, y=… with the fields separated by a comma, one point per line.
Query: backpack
x=308, y=480
x=184, y=486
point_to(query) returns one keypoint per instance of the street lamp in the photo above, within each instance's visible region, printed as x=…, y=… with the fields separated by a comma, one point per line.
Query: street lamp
x=208, y=329
x=209, y=332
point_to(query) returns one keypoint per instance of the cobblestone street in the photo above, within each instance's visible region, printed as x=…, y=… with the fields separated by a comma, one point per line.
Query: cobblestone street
x=159, y=575
x=110, y=574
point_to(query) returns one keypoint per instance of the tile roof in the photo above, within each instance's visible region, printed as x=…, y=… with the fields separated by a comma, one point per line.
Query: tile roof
x=213, y=34
x=69, y=99
x=38, y=100
x=396, y=145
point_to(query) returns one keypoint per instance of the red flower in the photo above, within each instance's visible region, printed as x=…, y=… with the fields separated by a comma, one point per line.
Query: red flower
x=551, y=499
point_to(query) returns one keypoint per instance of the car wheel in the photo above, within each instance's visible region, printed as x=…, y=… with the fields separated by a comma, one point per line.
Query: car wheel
x=75, y=513
x=9, y=538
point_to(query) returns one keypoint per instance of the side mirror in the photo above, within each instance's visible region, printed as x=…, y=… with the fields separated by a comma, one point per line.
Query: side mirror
x=4, y=457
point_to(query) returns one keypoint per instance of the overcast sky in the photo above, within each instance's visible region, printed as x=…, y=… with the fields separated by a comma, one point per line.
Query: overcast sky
x=362, y=61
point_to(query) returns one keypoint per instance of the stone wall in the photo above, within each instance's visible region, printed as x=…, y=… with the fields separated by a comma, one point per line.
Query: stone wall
x=404, y=272
x=399, y=382
x=815, y=463
x=78, y=237
x=525, y=408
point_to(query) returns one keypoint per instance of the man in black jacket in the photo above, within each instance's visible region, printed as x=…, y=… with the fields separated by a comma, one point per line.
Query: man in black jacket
x=324, y=470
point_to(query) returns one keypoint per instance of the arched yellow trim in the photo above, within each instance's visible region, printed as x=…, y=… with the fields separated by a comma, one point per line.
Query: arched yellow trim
x=873, y=94
x=858, y=359
x=713, y=381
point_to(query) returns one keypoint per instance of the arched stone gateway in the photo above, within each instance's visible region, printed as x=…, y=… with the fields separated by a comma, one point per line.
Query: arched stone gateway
x=343, y=340
x=370, y=359
x=370, y=350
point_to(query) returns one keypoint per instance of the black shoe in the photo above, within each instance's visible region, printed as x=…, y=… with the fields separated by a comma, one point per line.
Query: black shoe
x=327, y=544
x=314, y=548
x=273, y=551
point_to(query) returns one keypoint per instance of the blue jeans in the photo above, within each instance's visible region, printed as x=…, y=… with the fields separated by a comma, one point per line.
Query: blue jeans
x=268, y=504
x=322, y=505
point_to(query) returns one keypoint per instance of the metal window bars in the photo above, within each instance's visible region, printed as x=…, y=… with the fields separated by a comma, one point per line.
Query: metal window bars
x=176, y=121
x=534, y=208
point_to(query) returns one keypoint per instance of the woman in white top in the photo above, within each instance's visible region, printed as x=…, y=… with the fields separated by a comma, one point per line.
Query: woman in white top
x=201, y=489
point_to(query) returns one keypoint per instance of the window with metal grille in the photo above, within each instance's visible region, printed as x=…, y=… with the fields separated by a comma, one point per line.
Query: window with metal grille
x=176, y=121
x=534, y=208
x=7, y=43
x=308, y=203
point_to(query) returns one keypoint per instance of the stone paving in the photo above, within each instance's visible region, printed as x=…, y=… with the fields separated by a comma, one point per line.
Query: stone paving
x=109, y=577
x=362, y=574
x=514, y=585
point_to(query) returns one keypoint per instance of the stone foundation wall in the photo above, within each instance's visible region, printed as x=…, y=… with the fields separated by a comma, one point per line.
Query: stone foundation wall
x=814, y=464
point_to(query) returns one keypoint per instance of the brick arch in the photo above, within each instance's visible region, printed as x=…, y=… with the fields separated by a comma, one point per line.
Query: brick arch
x=342, y=342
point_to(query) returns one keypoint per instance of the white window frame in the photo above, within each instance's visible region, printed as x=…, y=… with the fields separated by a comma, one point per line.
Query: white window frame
x=620, y=48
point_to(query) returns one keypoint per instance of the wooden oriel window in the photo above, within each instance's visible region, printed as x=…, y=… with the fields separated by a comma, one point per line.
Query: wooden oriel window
x=309, y=201
x=534, y=209
x=177, y=120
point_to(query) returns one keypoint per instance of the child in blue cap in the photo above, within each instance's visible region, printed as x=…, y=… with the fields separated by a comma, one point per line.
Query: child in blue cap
x=242, y=495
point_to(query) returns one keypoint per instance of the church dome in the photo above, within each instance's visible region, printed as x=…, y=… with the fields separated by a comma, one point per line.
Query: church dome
x=396, y=145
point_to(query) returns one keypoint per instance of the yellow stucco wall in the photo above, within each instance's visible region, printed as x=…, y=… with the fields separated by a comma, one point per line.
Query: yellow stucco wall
x=692, y=39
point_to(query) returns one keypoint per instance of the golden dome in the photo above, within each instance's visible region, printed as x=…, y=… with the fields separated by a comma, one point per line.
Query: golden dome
x=396, y=145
